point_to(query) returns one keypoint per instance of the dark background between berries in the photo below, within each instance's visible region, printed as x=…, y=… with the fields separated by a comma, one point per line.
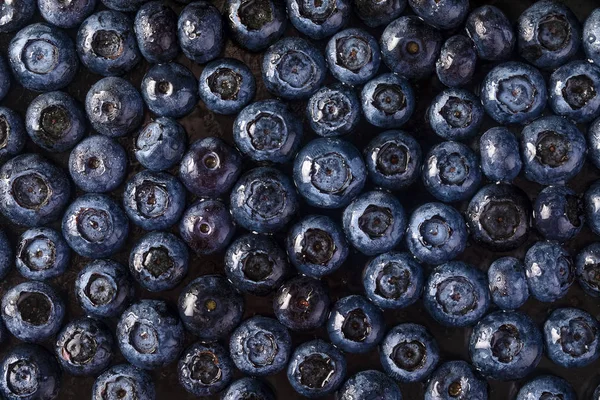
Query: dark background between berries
x=202, y=122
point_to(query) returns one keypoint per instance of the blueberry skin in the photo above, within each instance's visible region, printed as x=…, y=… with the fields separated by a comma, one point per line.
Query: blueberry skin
x=154, y=200
x=106, y=43
x=316, y=246
x=33, y=191
x=352, y=56
x=200, y=32
x=210, y=307
x=455, y=114
x=591, y=200
x=252, y=27
x=123, y=379
x=207, y=226
x=549, y=34
x=150, y=335
x=158, y=261
x=66, y=14
x=302, y=303
x=410, y=47
x=12, y=133
x=596, y=394
x=506, y=345
x=513, y=93
x=32, y=311
x=170, y=90
x=393, y=280
x=500, y=155
x=375, y=13
x=558, y=213
x=508, y=283
x=15, y=15
x=456, y=377
x=98, y=164
x=42, y=254
x=5, y=78
x=550, y=271
x=593, y=140
x=104, y=288
x=248, y=388
x=318, y=20
x=355, y=325
x=29, y=372
x=6, y=257
x=160, y=144
x=374, y=222
x=155, y=28
x=587, y=269
x=123, y=5
x=571, y=338
x=573, y=91
x=333, y=111
x=293, y=68
x=267, y=131
x=491, y=32
x=409, y=353
x=114, y=107
x=388, y=101
x=205, y=369
x=316, y=369
x=591, y=36
x=442, y=14
x=226, y=86
x=457, y=61
x=539, y=387
x=456, y=294
x=329, y=173
x=84, y=347
x=369, y=383
x=260, y=346
x=553, y=150
x=451, y=172
x=263, y=200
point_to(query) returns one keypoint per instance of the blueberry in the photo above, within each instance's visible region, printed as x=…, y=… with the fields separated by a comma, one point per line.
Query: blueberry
x=200, y=32
x=16, y=15
x=500, y=155
x=160, y=144
x=66, y=14
x=329, y=173
x=6, y=257
x=491, y=32
x=316, y=369
x=499, y=217
x=12, y=133
x=170, y=90
x=318, y=19
x=376, y=12
x=549, y=34
x=587, y=269
x=558, y=213
x=267, y=130
x=114, y=107
x=369, y=384
x=293, y=68
x=210, y=307
x=388, y=101
x=5, y=77
x=456, y=294
x=550, y=271
x=333, y=111
x=42, y=254
x=248, y=388
x=106, y=43
x=260, y=346
x=149, y=334
x=596, y=394
x=263, y=200
x=546, y=387
x=302, y=303
x=456, y=380
x=443, y=14
x=33, y=191
x=355, y=325
x=513, y=93
x=393, y=280
x=506, y=345
x=316, y=246
x=205, y=369
x=32, y=311
x=508, y=283
x=154, y=200
x=98, y=164
x=123, y=381
x=591, y=36
x=410, y=47
x=123, y=5
x=591, y=200
x=593, y=142
x=455, y=114
x=457, y=61
x=227, y=85
x=84, y=347
x=574, y=91
x=155, y=28
x=352, y=56
x=207, y=226
x=255, y=24
x=95, y=226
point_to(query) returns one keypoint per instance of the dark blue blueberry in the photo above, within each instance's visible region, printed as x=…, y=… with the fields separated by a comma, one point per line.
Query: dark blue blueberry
x=369, y=384
x=263, y=200
x=155, y=28
x=316, y=369
x=200, y=32
x=207, y=227
x=355, y=325
x=6, y=257
x=66, y=14
x=329, y=173
x=95, y=226
x=293, y=68
x=388, y=101
x=318, y=19
x=573, y=90
x=226, y=85
x=587, y=269
x=158, y=261
x=457, y=61
x=267, y=130
x=550, y=271
x=33, y=191
x=546, y=387
x=260, y=346
x=255, y=24
x=491, y=32
x=455, y=114
x=123, y=381
x=123, y=5
x=549, y=34
x=32, y=311
x=508, y=283
x=443, y=14
x=456, y=380
x=352, y=56
x=506, y=345
x=558, y=213
x=170, y=90
x=42, y=253
x=333, y=111
x=16, y=14
x=593, y=142
x=5, y=77
x=410, y=47
x=592, y=207
x=500, y=154
x=12, y=134
x=248, y=388
x=210, y=307
x=378, y=12
x=302, y=303
x=591, y=37
x=513, y=93
x=205, y=369
x=160, y=144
